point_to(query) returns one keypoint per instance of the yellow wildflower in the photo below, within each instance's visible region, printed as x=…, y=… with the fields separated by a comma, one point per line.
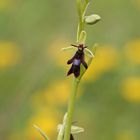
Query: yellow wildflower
x=55, y=94
x=136, y=3
x=4, y=4
x=127, y=135
x=131, y=89
x=47, y=120
x=132, y=51
x=58, y=93
x=9, y=54
x=106, y=59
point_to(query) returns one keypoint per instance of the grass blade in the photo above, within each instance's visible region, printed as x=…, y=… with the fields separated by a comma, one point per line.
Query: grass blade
x=41, y=132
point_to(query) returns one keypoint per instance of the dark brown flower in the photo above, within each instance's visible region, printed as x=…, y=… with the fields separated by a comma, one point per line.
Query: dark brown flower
x=76, y=61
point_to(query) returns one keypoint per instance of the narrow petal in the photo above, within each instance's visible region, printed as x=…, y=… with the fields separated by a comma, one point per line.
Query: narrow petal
x=71, y=70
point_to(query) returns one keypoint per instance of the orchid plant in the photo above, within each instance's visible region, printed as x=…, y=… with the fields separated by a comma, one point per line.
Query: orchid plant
x=79, y=66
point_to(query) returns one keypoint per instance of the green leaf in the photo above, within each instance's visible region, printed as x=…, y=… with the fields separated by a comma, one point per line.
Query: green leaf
x=41, y=132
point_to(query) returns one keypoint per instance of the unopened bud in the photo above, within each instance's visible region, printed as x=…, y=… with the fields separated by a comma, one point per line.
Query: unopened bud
x=92, y=19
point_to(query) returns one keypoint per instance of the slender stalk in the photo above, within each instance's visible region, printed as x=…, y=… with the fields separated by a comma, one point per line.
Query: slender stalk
x=81, y=10
x=71, y=105
x=71, y=109
x=80, y=22
x=65, y=129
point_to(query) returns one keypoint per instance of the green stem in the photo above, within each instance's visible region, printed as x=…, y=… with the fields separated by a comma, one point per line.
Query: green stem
x=80, y=24
x=81, y=9
x=71, y=109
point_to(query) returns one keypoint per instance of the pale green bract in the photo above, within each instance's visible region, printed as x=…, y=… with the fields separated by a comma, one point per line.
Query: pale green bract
x=74, y=129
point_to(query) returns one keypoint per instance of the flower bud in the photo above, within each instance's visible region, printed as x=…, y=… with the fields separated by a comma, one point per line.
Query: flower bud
x=83, y=36
x=92, y=19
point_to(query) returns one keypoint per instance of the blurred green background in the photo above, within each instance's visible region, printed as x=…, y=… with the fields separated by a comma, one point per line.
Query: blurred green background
x=34, y=88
